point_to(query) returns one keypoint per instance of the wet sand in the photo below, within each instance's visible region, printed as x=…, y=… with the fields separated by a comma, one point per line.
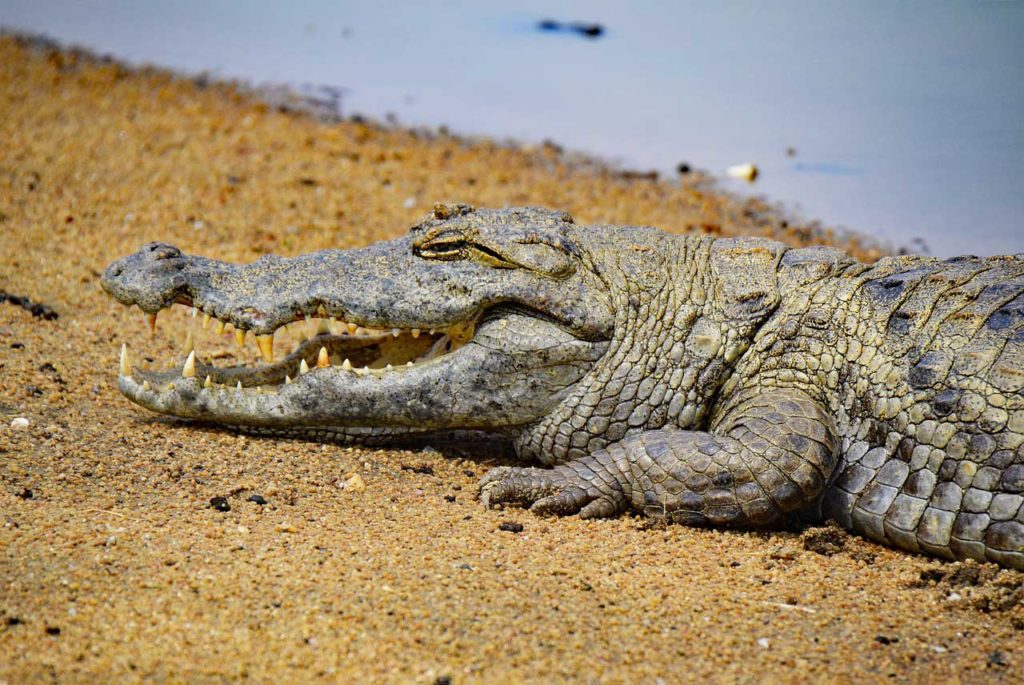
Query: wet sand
x=115, y=567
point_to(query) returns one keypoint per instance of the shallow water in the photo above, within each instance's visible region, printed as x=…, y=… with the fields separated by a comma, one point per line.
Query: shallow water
x=901, y=120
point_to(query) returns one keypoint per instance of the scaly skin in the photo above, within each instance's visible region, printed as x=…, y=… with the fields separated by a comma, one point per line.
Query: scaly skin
x=710, y=382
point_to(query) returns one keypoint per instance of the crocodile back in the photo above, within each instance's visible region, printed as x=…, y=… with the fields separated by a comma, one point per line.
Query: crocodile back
x=930, y=405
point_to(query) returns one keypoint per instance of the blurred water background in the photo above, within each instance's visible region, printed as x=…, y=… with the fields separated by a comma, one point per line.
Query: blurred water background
x=903, y=121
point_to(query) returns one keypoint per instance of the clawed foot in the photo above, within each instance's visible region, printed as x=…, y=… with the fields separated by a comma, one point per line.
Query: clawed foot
x=567, y=489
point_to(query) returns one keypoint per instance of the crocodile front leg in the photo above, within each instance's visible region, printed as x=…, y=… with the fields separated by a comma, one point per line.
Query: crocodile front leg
x=770, y=455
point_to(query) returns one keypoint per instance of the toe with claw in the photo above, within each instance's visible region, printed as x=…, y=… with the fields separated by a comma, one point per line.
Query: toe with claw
x=567, y=489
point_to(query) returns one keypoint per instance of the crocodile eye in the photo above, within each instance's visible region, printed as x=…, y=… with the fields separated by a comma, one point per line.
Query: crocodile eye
x=444, y=247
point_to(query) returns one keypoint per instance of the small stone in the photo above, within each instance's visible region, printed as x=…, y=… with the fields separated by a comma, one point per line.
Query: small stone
x=19, y=424
x=745, y=172
x=997, y=658
x=824, y=541
x=220, y=503
x=763, y=643
x=52, y=630
x=354, y=482
x=26, y=494
x=449, y=498
x=784, y=553
x=257, y=499
x=511, y=527
x=883, y=640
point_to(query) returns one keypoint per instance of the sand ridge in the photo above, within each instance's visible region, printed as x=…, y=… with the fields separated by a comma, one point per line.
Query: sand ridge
x=114, y=566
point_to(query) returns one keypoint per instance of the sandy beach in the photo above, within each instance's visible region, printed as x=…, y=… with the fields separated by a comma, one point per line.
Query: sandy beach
x=366, y=565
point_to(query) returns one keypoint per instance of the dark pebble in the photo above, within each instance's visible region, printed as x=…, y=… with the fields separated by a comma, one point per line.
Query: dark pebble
x=443, y=680
x=220, y=504
x=17, y=346
x=511, y=527
x=38, y=310
x=52, y=630
x=883, y=640
x=258, y=499
x=449, y=498
x=469, y=473
x=683, y=168
x=13, y=621
x=26, y=494
x=997, y=658
x=419, y=468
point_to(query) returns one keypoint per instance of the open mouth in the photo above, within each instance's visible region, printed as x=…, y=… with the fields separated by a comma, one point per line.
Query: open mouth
x=219, y=355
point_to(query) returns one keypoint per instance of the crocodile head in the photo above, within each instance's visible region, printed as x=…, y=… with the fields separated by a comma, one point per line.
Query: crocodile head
x=476, y=319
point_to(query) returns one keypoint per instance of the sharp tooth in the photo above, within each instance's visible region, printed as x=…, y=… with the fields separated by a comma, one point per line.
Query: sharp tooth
x=347, y=365
x=208, y=383
x=265, y=343
x=126, y=365
x=146, y=386
x=303, y=367
x=219, y=328
x=366, y=369
x=433, y=331
x=238, y=386
x=194, y=312
x=240, y=337
x=189, y=370
x=189, y=343
x=395, y=332
x=415, y=332
x=322, y=359
x=287, y=379
x=151, y=320
x=389, y=368
x=321, y=311
x=323, y=327
x=352, y=328
x=206, y=320
x=408, y=363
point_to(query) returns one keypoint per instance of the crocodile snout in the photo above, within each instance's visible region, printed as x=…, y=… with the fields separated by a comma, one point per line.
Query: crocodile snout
x=149, y=278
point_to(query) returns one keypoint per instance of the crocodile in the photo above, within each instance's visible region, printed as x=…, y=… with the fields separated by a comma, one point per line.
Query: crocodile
x=699, y=380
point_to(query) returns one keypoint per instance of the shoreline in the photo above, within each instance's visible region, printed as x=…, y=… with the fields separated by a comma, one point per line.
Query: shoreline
x=293, y=100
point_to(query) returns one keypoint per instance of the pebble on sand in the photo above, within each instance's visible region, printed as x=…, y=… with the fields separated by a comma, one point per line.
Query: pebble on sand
x=220, y=503
x=19, y=424
x=745, y=172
